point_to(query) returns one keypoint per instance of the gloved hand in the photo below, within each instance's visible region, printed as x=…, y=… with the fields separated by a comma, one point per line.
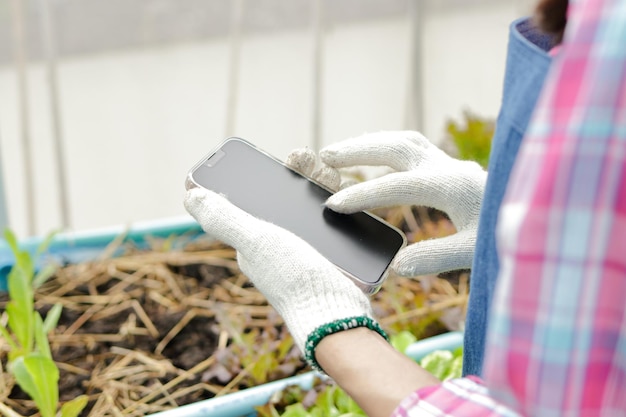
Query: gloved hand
x=314, y=298
x=425, y=176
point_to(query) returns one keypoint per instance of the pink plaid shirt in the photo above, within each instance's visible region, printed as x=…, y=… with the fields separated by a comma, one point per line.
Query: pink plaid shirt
x=556, y=343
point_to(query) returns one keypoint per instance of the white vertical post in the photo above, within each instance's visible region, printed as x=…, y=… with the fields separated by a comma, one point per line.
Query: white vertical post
x=48, y=35
x=236, y=23
x=20, y=51
x=318, y=70
x=414, y=102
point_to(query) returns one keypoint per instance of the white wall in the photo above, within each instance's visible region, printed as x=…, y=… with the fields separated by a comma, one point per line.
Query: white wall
x=135, y=121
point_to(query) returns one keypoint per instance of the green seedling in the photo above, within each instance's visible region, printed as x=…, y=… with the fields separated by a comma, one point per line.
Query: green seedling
x=30, y=359
x=473, y=139
x=402, y=340
x=256, y=356
x=444, y=364
x=269, y=356
x=326, y=399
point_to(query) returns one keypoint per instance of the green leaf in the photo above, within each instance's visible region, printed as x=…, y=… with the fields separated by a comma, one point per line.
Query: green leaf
x=21, y=324
x=25, y=263
x=325, y=401
x=38, y=376
x=348, y=405
x=402, y=340
x=473, y=140
x=45, y=244
x=284, y=347
x=20, y=291
x=41, y=337
x=456, y=368
x=9, y=236
x=292, y=394
x=19, y=286
x=7, y=336
x=43, y=275
x=262, y=367
x=437, y=363
x=295, y=410
x=345, y=404
x=52, y=318
x=74, y=407
x=316, y=412
x=444, y=364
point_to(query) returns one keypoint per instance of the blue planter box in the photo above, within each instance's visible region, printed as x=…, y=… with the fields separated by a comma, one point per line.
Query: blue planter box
x=242, y=403
x=84, y=246
x=88, y=245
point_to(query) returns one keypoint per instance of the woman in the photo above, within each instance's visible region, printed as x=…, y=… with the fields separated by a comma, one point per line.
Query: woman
x=556, y=328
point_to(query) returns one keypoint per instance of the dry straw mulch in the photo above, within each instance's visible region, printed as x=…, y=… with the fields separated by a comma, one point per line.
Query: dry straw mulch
x=155, y=329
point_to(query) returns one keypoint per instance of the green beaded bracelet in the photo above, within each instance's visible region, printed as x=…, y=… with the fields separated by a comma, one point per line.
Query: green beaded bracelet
x=334, y=327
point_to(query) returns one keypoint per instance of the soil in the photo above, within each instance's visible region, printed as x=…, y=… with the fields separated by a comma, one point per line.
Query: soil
x=159, y=328
x=137, y=304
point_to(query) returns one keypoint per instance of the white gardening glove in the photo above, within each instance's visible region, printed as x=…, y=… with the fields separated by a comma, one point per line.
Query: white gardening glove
x=314, y=298
x=425, y=176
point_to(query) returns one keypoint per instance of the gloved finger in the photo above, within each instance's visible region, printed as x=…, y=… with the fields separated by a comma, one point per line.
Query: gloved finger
x=246, y=266
x=328, y=177
x=401, y=150
x=438, y=255
x=347, y=183
x=417, y=187
x=302, y=160
x=222, y=220
x=386, y=191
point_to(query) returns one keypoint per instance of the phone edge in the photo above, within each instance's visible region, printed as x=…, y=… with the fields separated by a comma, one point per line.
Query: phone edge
x=367, y=287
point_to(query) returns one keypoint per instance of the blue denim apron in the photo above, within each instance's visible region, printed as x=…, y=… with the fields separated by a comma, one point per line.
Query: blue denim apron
x=527, y=63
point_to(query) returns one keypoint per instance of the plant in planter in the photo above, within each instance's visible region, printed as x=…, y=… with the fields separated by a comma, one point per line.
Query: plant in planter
x=324, y=399
x=30, y=360
x=327, y=399
x=154, y=328
x=471, y=140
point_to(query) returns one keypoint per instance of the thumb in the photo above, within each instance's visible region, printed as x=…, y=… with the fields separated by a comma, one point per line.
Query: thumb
x=434, y=256
x=221, y=219
x=302, y=160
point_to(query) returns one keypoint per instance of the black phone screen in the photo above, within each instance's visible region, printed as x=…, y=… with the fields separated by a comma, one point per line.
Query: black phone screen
x=359, y=244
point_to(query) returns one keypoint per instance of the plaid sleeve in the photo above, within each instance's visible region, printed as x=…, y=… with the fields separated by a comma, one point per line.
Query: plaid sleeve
x=463, y=397
x=556, y=343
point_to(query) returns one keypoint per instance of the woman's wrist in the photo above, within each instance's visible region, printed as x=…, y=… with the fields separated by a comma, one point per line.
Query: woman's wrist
x=337, y=326
x=370, y=370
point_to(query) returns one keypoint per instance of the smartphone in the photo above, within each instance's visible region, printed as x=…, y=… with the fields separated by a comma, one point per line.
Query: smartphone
x=361, y=245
